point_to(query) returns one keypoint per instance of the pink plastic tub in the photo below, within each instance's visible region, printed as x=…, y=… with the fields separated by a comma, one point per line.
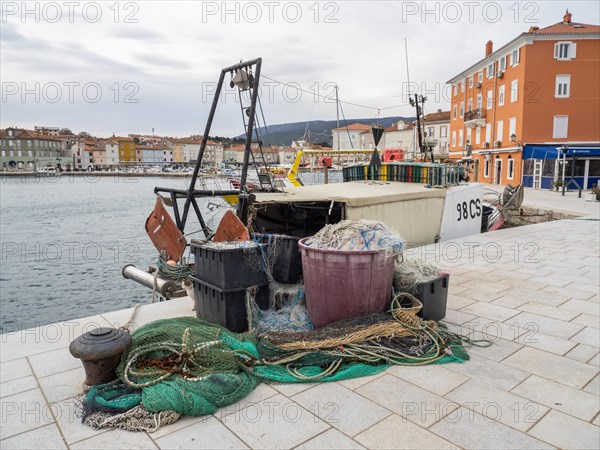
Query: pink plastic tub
x=340, y=284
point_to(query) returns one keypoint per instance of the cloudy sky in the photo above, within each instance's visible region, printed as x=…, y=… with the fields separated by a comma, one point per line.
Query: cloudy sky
x=128, y=67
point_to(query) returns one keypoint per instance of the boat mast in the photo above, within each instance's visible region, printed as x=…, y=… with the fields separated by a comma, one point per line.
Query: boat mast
x=337, y=111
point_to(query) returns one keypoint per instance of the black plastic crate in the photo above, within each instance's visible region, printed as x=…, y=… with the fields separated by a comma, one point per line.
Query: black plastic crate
x=227, y=268
x=287, y=267
x=434, y=296
x=227, y=307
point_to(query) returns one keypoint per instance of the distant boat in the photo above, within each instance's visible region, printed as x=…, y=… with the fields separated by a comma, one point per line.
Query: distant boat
x=49, y=171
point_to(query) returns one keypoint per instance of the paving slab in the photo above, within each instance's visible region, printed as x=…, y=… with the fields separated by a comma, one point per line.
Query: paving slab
x=554, y=367
x=559, y=397
x=277, y=422
x=411, y=402
x=331, y=439
x=44, y=437
x=564, y=431
x=434, y=378
x=17, y=386
x=23, y=412
x=396, y=432
x=341, y=408
x=498, y=405
x=469, y=429
x=208, y=433
x=106, y=441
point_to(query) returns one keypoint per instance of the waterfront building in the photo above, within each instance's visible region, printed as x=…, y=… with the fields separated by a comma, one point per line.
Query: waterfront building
x=127, y=150
x=178, y=154
x=153, y=155
x=111, y=147
x=538, y=91
x=83, y=154
x=400, y=134
x=348, y=137
x=436, y=128
x=213, y=154
x=22, y=149
x=98, y=155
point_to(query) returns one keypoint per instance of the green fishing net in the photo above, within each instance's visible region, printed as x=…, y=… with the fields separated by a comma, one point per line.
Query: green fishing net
x=194, y=367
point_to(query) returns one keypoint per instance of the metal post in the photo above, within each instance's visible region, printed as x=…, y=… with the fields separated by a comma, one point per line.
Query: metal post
x=211, y=115
x=209, y=121
x=337, y=113
x=242, y=198
x=563, y=172
x=325, y=173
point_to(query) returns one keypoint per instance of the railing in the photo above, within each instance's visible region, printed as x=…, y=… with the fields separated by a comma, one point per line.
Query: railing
x=475, y=114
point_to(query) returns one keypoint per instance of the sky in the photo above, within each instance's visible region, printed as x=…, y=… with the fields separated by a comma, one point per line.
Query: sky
x=131, y=67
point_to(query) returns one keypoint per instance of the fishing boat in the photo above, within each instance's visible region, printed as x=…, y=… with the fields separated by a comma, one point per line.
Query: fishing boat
x=423, y=202
x=49, y=171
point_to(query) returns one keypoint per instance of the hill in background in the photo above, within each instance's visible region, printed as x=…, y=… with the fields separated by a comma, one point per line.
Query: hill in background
x=319, y=131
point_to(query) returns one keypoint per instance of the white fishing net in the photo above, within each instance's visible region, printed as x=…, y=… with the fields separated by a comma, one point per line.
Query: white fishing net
x=412, y=272
x=358, y=235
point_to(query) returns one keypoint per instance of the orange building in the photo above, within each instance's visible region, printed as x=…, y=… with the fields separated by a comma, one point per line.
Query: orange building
x=540, y=88
x=127, y=150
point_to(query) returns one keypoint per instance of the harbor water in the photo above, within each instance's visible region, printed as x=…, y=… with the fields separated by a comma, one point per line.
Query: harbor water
x=64, y=241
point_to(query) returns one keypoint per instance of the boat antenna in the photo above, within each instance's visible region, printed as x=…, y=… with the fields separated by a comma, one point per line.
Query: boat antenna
x=406, y=54
x=337, y=110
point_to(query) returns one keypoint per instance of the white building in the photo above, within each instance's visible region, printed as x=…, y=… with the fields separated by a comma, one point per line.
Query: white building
x=349, y=137
x=436, y=128
x=151, y=155
x=112, y=152
x=400, y=134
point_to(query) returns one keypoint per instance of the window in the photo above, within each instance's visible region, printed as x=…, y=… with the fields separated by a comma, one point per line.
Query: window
x=460, y=138
x=29, y=153
x=462, y=109
x=444, y=131
x=490, y=70
x=503, y=64
x=563, y=86
x=565, y=50
x=455, y=90
x=515, y=57
x=478, y=135
x=11, y=153
x=488, y=132
x=501, y=96
x=512, y=126
x=471, y=81
x=3, y=152
x=461, y=86
x=430, y=132
x=453, y=139
x=478, y=101
x=470, y=107
x=510, y=170
x=561, y=127
x=489, y=99
x=469, y=139
x=500, y=130
x=480, y=76
x=454, y=112
x=514, y=91
x=486, y=168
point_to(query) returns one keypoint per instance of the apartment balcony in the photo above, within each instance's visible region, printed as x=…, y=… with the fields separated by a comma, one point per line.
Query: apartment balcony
x=475, y=118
